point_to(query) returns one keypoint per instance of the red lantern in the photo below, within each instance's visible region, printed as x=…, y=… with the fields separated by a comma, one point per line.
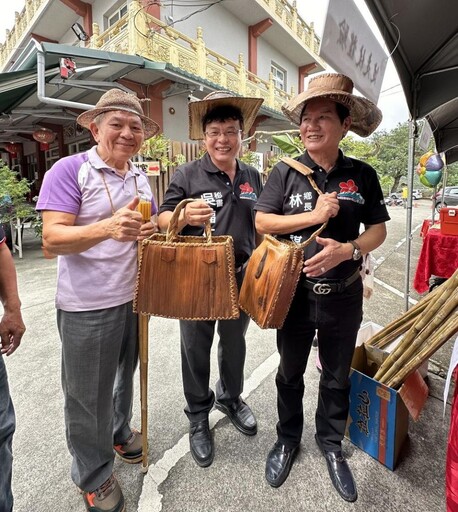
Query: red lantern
x=44, y=136
x=13, y=148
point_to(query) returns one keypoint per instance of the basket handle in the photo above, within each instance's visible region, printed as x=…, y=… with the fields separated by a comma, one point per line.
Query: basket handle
x=173, y=224
x=306, y=171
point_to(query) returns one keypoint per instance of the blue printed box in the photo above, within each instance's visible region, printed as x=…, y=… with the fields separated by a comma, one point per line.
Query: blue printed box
x=378, y=420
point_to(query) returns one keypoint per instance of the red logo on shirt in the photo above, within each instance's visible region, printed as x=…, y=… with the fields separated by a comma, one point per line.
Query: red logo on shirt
x=349, y=186
x=246, y=188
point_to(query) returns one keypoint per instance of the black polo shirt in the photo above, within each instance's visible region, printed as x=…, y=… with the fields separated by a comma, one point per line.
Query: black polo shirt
x=288, y=192
x=233, y=203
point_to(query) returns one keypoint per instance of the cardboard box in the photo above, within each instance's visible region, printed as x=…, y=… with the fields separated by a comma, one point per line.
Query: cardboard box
x=378, y=419
x=449, y=221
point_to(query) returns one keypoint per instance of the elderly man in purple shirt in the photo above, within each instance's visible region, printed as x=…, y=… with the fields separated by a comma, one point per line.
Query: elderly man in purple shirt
x=88, y=202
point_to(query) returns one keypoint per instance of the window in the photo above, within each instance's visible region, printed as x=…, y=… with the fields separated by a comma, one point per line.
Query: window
x=51, y=156
x=117, y=15
x=79, y=147
x=279, y=76
x=32, y=167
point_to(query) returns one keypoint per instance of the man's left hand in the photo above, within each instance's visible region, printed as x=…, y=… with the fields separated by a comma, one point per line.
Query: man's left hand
x=332, y=254
x=147, y=229
x=11, y=330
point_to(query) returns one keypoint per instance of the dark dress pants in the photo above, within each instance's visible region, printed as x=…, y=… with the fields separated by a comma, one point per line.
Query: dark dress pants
x=337, y=317
x=196, y=343
x=7, y=428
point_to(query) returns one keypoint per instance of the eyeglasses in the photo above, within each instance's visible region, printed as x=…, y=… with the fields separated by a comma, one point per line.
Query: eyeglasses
x=230, y=134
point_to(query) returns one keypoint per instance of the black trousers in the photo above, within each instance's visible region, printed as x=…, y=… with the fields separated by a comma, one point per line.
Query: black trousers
x=196, y=343
x=337, y=317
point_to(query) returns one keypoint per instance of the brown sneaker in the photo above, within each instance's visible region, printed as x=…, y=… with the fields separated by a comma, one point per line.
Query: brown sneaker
x=106, y=498
x=131, y=450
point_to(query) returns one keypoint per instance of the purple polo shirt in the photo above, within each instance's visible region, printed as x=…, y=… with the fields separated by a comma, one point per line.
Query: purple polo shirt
x=104, y=275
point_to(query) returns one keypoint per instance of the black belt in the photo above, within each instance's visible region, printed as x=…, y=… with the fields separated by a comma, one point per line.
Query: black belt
x=325, y=286
x=239, y=269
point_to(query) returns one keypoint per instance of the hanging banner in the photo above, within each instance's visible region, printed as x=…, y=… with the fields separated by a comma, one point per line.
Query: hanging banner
x=350, y=47
x=151, y=168
x=425, y=136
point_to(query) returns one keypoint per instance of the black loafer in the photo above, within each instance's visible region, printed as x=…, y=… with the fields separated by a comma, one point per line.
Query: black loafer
x=201, y=443
x=240, y=415
x=340, y=474
x=279, y=462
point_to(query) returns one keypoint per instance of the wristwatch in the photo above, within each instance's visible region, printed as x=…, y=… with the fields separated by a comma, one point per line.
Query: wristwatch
x=356, y=250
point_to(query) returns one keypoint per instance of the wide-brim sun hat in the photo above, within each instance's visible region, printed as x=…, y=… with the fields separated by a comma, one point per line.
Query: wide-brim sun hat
x=197, y=110
x=115, y=99
x=365, y=114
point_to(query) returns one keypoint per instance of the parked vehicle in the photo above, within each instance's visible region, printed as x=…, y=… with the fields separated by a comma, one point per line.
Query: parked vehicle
x=450, y=197
x=392, y=200
x=417, y=194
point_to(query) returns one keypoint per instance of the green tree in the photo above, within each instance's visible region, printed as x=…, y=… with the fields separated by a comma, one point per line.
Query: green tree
x=366, y=150
x=452, y=174
x=13, y=193
x=392, y=154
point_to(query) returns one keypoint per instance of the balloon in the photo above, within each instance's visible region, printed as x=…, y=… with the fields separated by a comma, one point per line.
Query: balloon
x=425, y=157
x=425, y=182
x=434, y=163
x=433, y=177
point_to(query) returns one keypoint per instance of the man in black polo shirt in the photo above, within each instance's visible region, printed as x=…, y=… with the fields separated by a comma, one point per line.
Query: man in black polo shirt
x=226, y=191
x=330, y=294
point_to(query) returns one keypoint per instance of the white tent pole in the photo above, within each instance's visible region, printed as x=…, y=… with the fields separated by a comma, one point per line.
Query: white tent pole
x=410, y=176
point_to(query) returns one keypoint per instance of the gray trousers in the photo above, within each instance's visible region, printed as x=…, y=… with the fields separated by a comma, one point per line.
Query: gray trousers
x=7, y=427
x=196, y=343
x=99, y=356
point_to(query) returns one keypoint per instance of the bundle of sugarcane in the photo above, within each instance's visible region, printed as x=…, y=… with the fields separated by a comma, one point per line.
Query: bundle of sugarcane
x=425, y=335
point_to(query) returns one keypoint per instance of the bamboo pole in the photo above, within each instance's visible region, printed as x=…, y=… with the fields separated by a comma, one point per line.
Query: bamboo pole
x=432, y=309
x=143, y=354
x=445, y=332
x=394, y=334
x=413, y=312
x=144, y=207
x=447, y=307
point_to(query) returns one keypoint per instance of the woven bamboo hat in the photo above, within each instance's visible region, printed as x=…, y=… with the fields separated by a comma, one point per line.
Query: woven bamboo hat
x=365, y=115
x=115, y=99
x=199, y=108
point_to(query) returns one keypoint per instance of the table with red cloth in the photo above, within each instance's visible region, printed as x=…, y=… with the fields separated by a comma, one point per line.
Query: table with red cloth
x=438, y=257
x=451, y=466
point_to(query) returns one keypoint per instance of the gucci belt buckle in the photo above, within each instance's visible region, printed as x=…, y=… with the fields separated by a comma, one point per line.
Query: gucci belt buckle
x=321, y=288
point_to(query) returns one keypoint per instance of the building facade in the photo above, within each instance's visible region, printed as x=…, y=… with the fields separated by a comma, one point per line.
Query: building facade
x=66, y=53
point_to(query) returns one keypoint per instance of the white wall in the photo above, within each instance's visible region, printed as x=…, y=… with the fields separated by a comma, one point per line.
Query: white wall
x=101, y=7
x=222, y=31
x=267, y=54
x=176, y=125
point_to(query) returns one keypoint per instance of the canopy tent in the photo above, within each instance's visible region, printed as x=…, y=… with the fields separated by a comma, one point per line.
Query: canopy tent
x=444, y=123
x=422, y=39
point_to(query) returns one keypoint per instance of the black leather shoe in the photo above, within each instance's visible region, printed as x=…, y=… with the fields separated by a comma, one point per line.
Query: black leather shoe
x=201, y=443
x=279, y=462
x=340, y=474
x=240, y=415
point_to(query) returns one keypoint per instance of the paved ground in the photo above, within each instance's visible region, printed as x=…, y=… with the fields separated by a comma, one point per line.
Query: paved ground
x=235, y=481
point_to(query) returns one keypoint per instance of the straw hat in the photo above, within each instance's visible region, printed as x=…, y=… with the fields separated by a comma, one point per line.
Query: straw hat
x=199, y=108
x=365, y=115
x=115, y=99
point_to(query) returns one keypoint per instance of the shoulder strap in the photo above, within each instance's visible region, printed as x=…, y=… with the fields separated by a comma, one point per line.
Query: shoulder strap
x=306, y=171
x=303, y=169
